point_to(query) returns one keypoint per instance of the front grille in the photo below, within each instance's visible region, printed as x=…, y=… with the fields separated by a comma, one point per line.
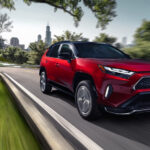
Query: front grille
x=144, y=83
x=139, y=101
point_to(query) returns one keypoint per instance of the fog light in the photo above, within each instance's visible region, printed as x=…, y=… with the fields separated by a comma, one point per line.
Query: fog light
x=108, y=91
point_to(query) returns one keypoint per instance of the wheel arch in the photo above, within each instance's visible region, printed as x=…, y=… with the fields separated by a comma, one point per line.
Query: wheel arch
x=41, y=69
x=80, y=76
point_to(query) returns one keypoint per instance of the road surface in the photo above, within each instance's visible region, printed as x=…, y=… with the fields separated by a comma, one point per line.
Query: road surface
x=109, y=132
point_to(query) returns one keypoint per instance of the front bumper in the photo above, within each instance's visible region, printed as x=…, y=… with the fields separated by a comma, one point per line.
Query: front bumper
x=137, y=104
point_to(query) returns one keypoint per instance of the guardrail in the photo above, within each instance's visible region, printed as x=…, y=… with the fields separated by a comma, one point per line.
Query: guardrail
x=43, y=129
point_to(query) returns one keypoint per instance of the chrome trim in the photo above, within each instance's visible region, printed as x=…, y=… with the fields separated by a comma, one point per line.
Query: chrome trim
x=139, y=81
x=106, y=92
x=128, y=113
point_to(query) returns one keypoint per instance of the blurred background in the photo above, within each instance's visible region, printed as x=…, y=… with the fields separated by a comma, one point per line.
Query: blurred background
x=28, y=27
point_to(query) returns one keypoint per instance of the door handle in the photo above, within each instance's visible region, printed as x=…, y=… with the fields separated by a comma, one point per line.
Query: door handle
x=57, y=64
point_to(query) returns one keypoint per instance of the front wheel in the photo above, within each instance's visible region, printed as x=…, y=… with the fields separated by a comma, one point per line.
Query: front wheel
x=86, y=100
x=44, y=86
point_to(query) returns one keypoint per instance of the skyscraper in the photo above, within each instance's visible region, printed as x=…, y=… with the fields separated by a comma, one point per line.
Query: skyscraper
x=124, y=41
x=48, y=36
x=39, y=38
x=2, y=45
x=14, y=41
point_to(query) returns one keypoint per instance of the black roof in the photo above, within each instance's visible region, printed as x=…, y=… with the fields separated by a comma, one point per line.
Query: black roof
x=75, y=42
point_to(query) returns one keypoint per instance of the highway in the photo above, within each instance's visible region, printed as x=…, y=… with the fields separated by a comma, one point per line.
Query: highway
x=110, y=132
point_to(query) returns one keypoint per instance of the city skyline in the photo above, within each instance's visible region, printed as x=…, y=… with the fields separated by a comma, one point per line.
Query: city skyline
x=28, y=21
x=15, y=41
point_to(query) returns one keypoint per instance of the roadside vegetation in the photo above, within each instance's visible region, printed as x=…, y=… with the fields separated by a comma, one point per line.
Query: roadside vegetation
x=141, y=48
x=19, y=56
x=37, y=49
x=69, y=36
x=13, y=55
x=36, y=52
x=14, y=132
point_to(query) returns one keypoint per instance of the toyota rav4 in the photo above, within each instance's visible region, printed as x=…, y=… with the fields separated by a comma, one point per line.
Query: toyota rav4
x=99, y=76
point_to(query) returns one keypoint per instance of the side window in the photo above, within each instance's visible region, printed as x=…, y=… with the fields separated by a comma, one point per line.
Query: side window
x=65, y=48
x=49, y=51
x=53, y=51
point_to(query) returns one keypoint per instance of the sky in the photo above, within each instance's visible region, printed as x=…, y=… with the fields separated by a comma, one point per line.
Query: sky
x=29, y=21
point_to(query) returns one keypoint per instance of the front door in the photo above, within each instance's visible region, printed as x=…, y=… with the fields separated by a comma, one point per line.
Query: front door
x=66, y=67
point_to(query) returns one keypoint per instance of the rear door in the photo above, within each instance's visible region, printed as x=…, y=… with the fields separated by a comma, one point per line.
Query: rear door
x=51, y=63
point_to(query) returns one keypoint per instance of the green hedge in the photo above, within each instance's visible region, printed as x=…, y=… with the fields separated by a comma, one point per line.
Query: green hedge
x=141, y=51
x=3, y=59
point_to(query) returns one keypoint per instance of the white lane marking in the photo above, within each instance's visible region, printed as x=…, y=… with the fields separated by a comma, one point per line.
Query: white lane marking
x=76, y=133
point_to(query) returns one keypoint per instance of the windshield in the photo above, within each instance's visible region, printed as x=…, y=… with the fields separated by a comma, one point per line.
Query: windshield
x=94, y=50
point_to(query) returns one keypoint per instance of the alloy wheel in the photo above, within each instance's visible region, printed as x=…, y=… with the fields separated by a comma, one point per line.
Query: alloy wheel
x=84, y=100
x=43, y=81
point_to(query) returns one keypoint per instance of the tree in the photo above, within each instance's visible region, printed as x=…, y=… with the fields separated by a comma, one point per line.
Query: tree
x=105, y=38
x=141, y=50
x=119, y=45
x=5, y=26
x=1, y=56
x=9, y=53
x=69, y=36
x=103, y=10
x=143, y=32
x=7, y=4
x=15, y=55
x=5, y=23
x=21, y=56
x=37, y=50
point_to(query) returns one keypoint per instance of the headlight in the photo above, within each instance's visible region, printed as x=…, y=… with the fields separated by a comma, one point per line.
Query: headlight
x=117, y=72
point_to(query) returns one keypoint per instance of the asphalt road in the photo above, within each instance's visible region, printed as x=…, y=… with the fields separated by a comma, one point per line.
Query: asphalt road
x=109, y=131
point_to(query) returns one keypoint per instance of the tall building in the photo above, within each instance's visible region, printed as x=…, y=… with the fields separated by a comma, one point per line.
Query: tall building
x=22, y=46
x=124, y=41
x=14, y=41
x=48, y=36
x=2, y=45
x=39, y=38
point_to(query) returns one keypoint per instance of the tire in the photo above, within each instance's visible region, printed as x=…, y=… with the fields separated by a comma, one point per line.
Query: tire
x=86, y=100
x=44, y=86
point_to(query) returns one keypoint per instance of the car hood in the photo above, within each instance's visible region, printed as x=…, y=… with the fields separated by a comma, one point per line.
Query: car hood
x=127, y=64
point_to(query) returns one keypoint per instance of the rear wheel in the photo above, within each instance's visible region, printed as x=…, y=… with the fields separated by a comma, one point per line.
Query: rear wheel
x=86, y=100
x=45, y=87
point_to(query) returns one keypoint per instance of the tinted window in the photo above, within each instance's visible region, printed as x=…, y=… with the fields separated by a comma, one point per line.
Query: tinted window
x=94, y=50
x=65, y=52
x=65, y=48
x=53, y=51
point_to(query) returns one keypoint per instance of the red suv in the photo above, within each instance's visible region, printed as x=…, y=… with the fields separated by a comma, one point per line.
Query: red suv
x=99, y=76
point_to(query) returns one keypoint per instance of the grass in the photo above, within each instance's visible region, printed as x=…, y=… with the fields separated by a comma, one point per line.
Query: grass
x=14, y=132
x=1, y=65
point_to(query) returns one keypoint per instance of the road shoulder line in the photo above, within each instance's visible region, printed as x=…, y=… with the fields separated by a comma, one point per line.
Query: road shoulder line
x=76, y=133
